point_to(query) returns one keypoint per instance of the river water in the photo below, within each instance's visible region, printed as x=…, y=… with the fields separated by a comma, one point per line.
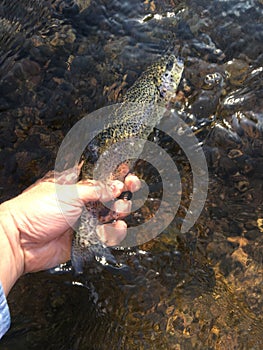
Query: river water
x=198, y=290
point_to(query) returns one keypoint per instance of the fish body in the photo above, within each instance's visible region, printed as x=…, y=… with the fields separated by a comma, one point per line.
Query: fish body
x=134, y=117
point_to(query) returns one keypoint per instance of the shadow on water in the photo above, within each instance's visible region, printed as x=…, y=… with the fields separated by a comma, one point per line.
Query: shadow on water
x=202, y=290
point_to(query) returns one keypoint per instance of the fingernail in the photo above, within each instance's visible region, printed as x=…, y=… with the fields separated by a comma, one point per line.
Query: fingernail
x=117, y=187
x=136, y=185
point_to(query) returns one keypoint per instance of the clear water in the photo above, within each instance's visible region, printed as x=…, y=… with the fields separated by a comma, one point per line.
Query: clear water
x=201, y=290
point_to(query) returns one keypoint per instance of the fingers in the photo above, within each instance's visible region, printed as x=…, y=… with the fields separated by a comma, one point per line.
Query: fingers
x=132, y=183
x=121, y=208
x=113, y=234
x=118, y=210
x=91, y=190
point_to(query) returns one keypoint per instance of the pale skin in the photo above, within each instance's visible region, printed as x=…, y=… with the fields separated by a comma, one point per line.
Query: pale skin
x=35, y=227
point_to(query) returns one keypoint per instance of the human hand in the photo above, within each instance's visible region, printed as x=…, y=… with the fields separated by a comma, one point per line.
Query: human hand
x=38, y=223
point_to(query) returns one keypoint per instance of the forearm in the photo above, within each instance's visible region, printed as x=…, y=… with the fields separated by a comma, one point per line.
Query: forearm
x=11, y=255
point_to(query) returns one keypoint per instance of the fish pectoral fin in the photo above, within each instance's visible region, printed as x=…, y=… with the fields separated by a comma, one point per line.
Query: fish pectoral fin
x=81, y=257
x=77, y=260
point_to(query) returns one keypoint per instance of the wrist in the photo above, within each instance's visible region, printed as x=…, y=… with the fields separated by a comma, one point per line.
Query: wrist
x=12, y=258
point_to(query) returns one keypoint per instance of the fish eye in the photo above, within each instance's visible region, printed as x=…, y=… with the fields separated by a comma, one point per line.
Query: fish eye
x=170, y=64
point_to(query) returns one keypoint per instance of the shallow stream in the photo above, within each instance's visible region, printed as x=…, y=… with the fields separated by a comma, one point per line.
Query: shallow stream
x=200, y=290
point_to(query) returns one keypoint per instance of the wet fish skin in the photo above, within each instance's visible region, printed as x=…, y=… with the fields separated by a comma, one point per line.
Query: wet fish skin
x=136, y=116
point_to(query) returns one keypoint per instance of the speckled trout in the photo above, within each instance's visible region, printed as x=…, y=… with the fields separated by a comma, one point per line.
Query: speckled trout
x=135, y=117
